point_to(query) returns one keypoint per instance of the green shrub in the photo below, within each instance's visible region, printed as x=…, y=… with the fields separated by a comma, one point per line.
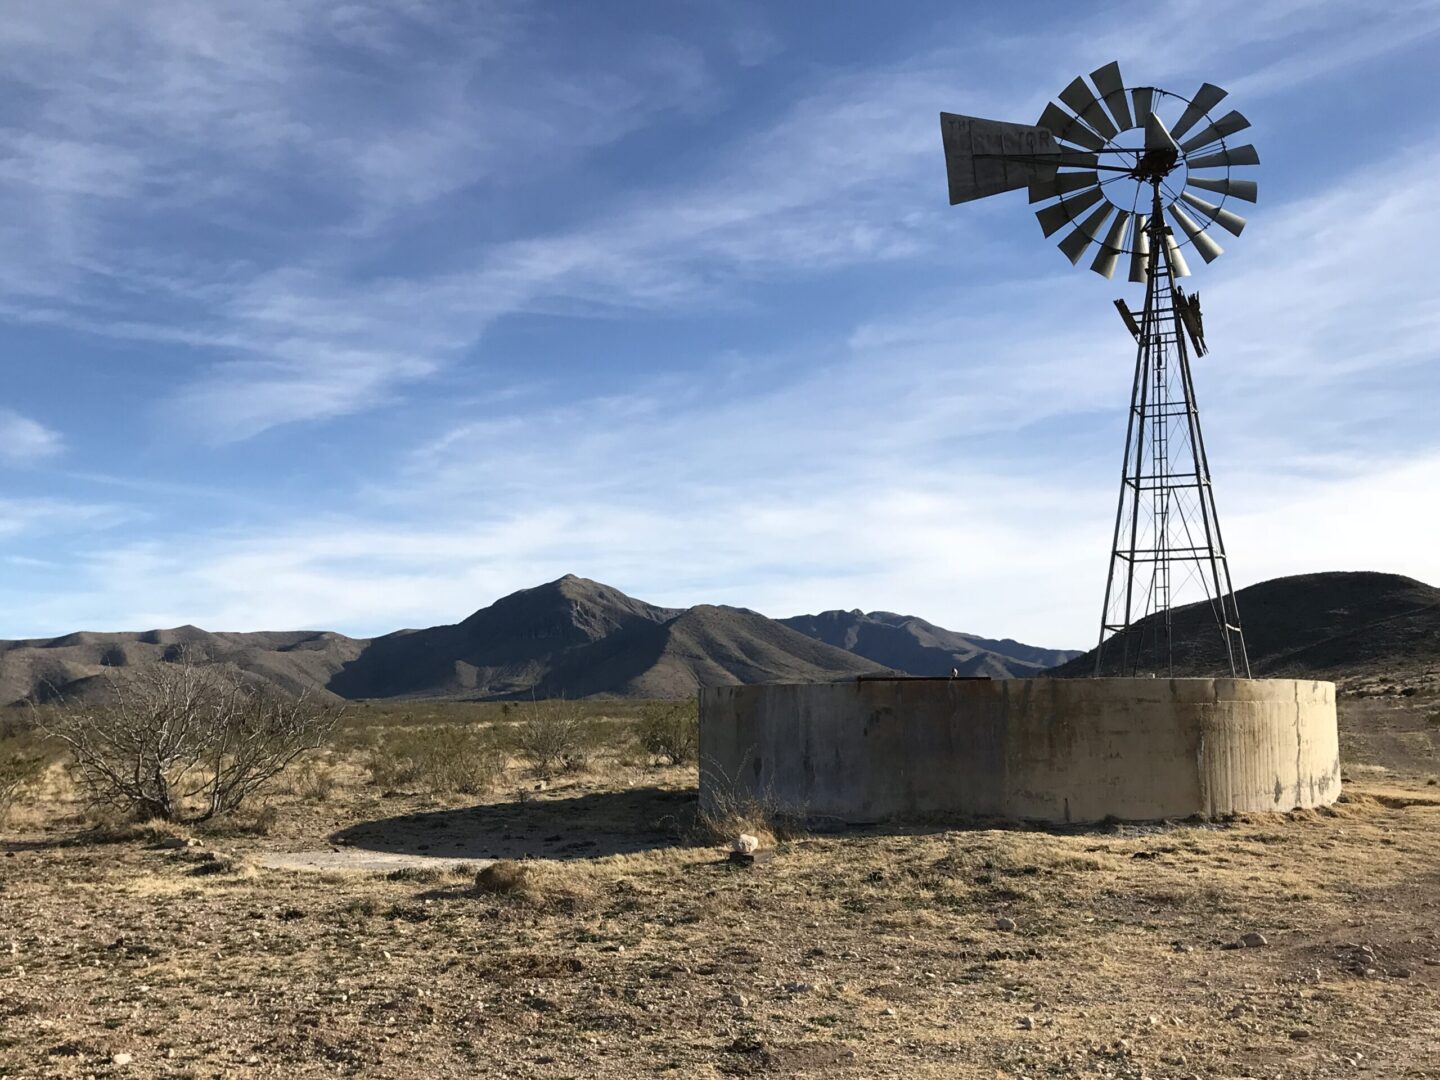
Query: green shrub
x=671, y=730
x=554, y=735
x=440, y=760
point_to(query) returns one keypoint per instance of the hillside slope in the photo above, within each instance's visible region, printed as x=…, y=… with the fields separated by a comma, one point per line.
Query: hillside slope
x=79, y=666
x=1330, y=625
x=912, y=645
x=707, y=646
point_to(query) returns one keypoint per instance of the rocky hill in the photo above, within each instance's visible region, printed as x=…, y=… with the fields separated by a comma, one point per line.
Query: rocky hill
x=1333, y=625
x=82, y=665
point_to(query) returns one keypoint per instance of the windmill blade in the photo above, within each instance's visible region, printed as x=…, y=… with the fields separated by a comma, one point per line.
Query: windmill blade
x=1228, y=124
x=1178, y=268
x=1143, y=98
x=976, y=156
x=1112, y=247
x=1157, y=136
x=1085, y=233
x=1209, y=250
x=1068, y=129
x=1240, y=155
x=1235, y=189
x=1054, y=218
x=1078, y=96
x=1234, y=224
x=1140, y=252
x=1112, y=91
x=1063, y=184
x=1206, y=98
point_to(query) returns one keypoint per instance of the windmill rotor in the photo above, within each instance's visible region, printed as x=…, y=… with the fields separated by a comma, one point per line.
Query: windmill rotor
x=1113, y=163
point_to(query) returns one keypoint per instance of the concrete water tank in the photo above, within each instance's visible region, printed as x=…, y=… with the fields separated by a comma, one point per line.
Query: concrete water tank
x=1043, y=750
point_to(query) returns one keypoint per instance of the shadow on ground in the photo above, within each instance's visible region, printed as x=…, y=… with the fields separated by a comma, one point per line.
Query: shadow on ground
x=581, y=827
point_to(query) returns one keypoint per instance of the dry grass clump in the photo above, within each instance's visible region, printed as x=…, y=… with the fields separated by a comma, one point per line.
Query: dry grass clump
x=107, y=826
x=426, y=875
x=247, y=821
x=451, y=760
x=730, y=811
x=535, y=884
x=207, y=863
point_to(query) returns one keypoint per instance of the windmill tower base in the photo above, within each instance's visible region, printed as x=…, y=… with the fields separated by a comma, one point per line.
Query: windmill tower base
x=1052, y=751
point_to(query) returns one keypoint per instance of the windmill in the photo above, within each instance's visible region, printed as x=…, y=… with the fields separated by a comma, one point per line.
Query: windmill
x=1118, y=169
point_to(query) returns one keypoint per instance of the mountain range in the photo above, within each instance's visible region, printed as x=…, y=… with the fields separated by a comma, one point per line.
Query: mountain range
x=572, y=637
x=579, y=638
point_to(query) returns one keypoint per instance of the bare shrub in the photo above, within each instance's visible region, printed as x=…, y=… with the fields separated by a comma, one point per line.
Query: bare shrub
x=186, y=742
x=311, y=780
x=554, y=736
x=671, y=730
x=18, y=772
x=438, y=760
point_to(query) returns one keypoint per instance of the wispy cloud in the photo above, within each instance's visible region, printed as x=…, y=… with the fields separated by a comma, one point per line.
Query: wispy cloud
x=932, y=461
x=313, y=137
x=41, y=516
x=249, y=116
x=294, y=212
x=23, y=440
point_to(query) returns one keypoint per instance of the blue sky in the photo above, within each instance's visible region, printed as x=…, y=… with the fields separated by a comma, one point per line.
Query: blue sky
x=361, y=315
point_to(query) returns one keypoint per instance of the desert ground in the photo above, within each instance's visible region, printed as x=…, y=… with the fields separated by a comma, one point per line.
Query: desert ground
x=337, y=927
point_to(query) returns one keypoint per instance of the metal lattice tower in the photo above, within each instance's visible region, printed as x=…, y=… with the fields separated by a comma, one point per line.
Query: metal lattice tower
x=1116, y=166
x=1165, y=521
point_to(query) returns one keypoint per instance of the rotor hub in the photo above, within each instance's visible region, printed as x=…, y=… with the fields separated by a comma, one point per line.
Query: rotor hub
x=1154, y=165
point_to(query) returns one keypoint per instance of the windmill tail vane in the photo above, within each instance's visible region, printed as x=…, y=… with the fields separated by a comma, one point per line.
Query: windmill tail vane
x=1127, y=172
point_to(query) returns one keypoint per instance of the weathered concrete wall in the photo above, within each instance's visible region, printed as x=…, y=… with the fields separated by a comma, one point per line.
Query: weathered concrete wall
x=1053, y=750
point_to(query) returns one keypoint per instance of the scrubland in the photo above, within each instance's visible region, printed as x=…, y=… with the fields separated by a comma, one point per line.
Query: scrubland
x=452, y=890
